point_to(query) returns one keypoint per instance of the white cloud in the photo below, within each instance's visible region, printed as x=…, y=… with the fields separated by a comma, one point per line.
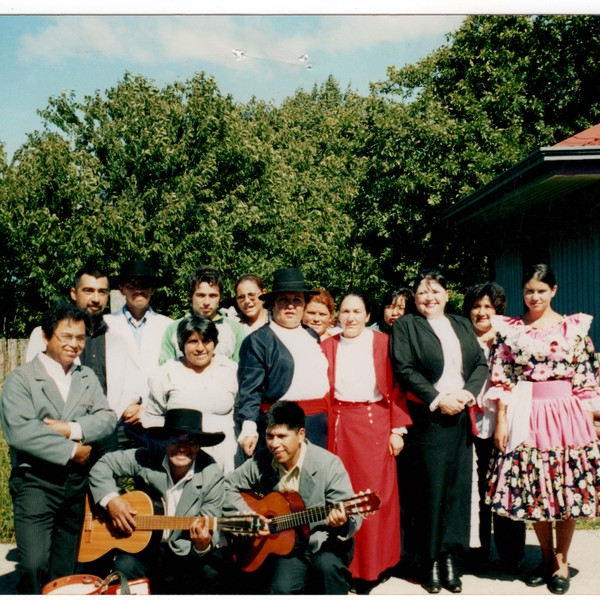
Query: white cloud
x=157, y=39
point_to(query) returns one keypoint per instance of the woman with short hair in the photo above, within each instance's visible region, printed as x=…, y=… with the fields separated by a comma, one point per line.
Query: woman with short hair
x=439, y=363
x=201, y=380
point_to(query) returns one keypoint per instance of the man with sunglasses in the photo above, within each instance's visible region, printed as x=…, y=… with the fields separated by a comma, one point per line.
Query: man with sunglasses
x=53, y=412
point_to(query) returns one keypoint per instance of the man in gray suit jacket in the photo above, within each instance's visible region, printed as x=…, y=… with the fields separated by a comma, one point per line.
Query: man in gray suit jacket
x=52, y=412
x=182, y=480
x=291, y=463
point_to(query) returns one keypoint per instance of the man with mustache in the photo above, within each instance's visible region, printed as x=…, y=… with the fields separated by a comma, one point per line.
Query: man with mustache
x=141, y=327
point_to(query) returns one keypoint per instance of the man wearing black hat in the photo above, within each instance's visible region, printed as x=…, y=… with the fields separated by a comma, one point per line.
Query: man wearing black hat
x=185, y=481
x=136, y=322
x=283, y=361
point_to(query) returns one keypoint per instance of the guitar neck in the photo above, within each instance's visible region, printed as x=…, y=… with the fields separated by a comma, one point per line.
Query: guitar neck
x=161, y=522
x=302, y=517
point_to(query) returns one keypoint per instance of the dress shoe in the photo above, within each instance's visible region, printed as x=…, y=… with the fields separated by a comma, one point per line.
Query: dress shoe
x=558, y=584
x=432, y=582
x=450, y=579
x=539, y=576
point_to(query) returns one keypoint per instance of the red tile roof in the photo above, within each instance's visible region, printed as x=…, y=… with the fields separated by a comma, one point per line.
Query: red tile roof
x=589, y=137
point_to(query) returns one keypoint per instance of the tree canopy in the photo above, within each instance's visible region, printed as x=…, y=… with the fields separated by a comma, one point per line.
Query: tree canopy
x=348, y=187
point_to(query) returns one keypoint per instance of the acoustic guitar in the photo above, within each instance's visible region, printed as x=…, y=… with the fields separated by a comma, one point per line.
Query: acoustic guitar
x=290, y=523
x=99, y=536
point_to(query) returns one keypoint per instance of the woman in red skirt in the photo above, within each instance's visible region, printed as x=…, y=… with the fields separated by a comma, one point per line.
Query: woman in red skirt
x=370, y=418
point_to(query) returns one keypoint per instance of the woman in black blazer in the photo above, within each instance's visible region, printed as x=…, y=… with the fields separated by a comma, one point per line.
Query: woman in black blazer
x=437, y=360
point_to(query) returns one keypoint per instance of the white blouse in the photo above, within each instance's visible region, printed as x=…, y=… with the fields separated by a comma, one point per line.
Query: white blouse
x=355, y=370
x=309, y=380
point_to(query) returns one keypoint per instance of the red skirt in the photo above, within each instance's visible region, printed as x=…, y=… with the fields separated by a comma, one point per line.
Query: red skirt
x=362, y=434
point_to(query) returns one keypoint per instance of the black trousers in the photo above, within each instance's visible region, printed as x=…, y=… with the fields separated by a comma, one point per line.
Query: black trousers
x=302, y=572
x=48, y=504
x=509, y=535
x=439, y=450
x=170, y=573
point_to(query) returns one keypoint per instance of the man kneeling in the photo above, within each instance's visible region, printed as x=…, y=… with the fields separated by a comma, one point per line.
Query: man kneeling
x=177, y=474
x=291, y=463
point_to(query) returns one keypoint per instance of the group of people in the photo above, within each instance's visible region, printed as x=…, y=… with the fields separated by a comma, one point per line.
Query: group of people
x=276, y=391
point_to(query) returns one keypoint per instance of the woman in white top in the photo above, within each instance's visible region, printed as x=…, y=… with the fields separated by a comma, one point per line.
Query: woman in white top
x=442, y=368
x=201, y=380
x=370, y=419
x=250, y=312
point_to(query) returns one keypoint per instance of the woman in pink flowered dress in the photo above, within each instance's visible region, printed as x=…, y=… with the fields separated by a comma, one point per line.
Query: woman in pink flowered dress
x=544, y=377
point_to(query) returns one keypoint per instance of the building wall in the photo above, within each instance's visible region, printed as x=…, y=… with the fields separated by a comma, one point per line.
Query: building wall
x=576, y=262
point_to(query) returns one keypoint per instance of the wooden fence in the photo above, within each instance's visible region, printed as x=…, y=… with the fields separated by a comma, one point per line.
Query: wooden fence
x=12, y=354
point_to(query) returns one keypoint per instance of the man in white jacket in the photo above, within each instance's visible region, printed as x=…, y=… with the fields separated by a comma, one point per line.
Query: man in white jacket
x=141, y=327
x=105, y=352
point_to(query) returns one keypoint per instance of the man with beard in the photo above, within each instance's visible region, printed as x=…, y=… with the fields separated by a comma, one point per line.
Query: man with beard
x=104, y=352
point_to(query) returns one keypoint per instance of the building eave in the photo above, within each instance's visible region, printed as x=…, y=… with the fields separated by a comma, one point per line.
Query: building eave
x=545, y=174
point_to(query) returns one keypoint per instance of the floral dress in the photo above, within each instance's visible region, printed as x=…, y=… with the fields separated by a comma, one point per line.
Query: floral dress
x=548, y=379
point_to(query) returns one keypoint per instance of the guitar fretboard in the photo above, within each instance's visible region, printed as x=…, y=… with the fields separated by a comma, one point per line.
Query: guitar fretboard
x=160, y=522
x=302, y=517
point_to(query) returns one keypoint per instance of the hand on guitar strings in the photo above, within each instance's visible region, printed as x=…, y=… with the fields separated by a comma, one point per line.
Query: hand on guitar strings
x=337, y=517
x=200, y=534
x=122, y=514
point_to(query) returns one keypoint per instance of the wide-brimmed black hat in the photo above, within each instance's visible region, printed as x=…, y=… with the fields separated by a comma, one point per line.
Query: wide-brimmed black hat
x=181, y=421
x=137, y=269
x=288, y=280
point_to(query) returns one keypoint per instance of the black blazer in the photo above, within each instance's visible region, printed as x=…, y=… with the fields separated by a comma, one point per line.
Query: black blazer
x=418, y=361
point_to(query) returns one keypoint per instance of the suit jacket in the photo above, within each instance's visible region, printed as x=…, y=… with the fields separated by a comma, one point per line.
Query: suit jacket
x=265, y=372
x=146, y=357
x=388, y=386
x=30, y=395
x=125, y=382
x=323, y=480
x=418, y=361
x=202, y=495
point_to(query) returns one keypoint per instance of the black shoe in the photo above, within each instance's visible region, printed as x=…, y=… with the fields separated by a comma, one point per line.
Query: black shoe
x=450, y=579
x=558, y=584
x=432, y=582
x=539, y=576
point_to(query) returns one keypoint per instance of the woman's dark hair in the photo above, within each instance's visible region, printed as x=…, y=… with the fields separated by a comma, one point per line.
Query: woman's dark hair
x=540, y=272
x=249, y=277
x=59, y=311
x=199, y=324
x=289, y=414
x=430, y=275
x=359, y=294
x=494, y=291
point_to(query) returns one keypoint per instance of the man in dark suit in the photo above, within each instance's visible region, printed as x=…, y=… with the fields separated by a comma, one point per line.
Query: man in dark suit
x=182, y=480
x=291, y=463
x=53, y=411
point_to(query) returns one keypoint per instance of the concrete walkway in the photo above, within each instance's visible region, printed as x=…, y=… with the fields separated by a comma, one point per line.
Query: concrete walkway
x=584, y=559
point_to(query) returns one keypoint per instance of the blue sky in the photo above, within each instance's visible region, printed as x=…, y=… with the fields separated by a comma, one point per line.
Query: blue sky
x=42, y=55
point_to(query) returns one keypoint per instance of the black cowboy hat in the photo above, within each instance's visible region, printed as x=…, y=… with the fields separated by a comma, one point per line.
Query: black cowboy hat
x=288, y=280
x=137, y=269
x=182, y=421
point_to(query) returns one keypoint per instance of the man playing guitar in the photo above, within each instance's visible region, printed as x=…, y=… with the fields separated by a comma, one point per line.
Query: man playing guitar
x=319, y=564
x=175, y=472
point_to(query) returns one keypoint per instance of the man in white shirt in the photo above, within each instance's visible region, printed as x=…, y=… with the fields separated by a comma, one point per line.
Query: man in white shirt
x=141, y=327
x=105, y=352
x=53, y=411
